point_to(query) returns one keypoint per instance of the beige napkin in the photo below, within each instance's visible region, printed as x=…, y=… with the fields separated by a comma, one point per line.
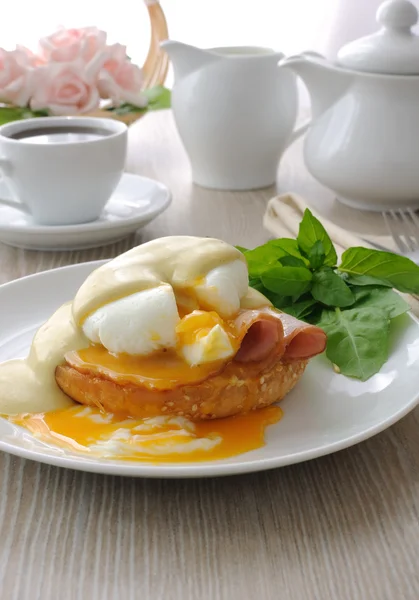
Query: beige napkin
x=282, y=218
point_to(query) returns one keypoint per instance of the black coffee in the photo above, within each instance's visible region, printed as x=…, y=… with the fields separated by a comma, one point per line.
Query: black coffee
x=60, y=134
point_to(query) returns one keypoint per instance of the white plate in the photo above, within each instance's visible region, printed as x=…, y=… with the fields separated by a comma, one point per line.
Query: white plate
x=324, y=413
x=136, y=201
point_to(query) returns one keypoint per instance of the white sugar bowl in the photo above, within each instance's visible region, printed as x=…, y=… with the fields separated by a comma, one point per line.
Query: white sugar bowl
x=363, y=141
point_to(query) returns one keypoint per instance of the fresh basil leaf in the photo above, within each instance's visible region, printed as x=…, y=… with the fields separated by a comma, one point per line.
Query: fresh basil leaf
x=278, y=301
x=317, y=255
x=259, y=260
x=363, y=280
x=357, y=340
x=287, y=281
x=311, y=231
x=381, y=298
x=242, y=249
x=330, y=289
x=399, y=271
x=314, y=317
x=264, y=257
x=287, y=246
x=257, y=285
x=362, y=292
x=302, y=309
x=292, y=261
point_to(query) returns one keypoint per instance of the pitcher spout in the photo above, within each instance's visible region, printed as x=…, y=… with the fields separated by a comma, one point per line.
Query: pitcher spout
x=325, y=83
x=185, y=58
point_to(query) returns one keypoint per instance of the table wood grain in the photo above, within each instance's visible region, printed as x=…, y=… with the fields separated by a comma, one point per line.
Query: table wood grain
x=342, y=527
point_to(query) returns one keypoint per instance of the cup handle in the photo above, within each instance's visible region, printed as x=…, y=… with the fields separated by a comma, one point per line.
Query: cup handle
x=6, y=168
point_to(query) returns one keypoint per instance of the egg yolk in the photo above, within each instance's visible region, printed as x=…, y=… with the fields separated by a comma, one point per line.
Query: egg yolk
x=156, y=439
x=161, y=370
x=197, y=324
x=162, y=438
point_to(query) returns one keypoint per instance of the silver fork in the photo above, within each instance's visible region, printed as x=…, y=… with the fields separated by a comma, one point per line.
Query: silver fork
x=403, y=226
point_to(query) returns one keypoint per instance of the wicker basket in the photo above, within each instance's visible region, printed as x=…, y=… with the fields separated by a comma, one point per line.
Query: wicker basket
x=156, y=63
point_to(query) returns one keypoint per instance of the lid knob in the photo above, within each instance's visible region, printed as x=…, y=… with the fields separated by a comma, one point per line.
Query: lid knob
x=397, y=14
x=394, y=50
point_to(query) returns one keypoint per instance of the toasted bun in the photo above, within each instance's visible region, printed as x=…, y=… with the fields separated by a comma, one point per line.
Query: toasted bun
x=239, y=388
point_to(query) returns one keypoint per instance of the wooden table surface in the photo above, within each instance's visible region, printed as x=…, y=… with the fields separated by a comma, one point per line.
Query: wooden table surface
x=342, y=527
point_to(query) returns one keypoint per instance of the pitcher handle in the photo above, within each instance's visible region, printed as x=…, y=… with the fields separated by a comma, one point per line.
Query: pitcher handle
x=298, y=132
x=304, y=127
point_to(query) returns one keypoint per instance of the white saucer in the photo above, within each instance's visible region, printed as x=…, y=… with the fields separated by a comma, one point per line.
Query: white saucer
x=136, y=201
x=324, y=413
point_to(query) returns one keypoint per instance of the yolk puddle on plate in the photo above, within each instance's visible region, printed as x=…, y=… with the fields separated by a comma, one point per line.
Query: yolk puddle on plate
x=153, y=439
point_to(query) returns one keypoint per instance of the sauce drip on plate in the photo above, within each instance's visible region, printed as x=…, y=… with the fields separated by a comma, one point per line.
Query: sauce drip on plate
x=155, y=439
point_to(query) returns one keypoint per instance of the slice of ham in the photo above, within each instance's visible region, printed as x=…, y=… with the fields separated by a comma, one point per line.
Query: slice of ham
x=260, y=334
x=302, y=340
x=266, y=331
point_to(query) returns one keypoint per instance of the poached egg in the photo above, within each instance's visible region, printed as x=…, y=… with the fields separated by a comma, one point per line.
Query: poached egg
x=147, y=321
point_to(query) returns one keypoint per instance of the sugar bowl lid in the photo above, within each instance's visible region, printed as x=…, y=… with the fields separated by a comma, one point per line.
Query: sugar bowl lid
x=394, y=49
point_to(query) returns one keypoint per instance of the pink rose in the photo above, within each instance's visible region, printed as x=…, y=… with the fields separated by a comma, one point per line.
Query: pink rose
x=27, y=58
x=68, y=44
x=67, y=88
x=120, y=80
x=16, y=79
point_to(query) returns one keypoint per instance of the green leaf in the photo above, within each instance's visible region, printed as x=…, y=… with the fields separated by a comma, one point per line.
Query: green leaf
x=311, y=231
x=357, y=340
x=158, y=97
x=263, y=257
x=398, y=271
x=126, y=109
x=277, y=300
x=381, y=298
x=9, y=113
x=288, y=247
x=16, y=113
x=363, y=280
x=317, y=255
x=281, y=302
x=301, y=309
x=259, y=260
x=242, y=249
x=330, y=289
x=292, y=261
x=287, y=281
x=258, y=285
x=361, y=292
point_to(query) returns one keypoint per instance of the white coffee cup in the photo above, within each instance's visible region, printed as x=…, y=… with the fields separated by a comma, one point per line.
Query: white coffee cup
x=62, y=170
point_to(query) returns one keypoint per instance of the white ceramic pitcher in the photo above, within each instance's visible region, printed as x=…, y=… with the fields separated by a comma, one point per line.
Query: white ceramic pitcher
x=235, y=111
x=364, y=140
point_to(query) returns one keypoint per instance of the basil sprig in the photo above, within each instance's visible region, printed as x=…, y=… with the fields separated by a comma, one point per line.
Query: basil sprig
x=353, y=302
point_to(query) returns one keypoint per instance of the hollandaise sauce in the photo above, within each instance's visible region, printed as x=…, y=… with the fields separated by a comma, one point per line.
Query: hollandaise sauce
x=159, y=439
x=186, y=317
x=29, y=386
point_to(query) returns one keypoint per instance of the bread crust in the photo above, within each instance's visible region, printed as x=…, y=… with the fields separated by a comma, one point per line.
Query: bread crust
x=239, y=388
